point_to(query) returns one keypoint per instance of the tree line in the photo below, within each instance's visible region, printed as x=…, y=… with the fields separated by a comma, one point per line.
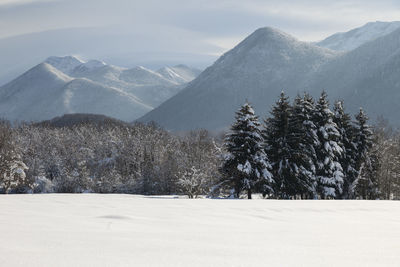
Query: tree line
x=306, y=150
x=106, y=158
x=302, y=150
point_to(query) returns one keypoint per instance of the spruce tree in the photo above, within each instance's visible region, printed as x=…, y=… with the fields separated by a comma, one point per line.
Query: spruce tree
x=346, y=141
x=303, y=140
x=246, y=166
x=278, y=148
x=365, y=185
x=329, y=172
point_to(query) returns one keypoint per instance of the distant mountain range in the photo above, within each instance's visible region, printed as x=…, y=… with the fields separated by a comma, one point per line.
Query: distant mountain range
x=63, y=85
x=121, y=46
x=269, y=61
x=361, y=67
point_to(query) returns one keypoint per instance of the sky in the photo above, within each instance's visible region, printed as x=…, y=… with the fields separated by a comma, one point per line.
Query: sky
x=191, y=27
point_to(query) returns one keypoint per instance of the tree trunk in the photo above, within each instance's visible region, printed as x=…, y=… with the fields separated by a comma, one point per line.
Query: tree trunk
x=249, y=194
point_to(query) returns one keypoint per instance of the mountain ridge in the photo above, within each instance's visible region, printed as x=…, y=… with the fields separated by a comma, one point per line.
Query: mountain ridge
x=284, y=63
x=64, y=80
x=347, y=41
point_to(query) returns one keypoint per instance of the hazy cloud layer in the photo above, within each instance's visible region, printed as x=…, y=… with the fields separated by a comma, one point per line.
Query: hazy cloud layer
x=206, y=27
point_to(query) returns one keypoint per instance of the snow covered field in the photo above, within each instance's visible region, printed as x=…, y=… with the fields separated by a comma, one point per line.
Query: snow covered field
x=126, y=230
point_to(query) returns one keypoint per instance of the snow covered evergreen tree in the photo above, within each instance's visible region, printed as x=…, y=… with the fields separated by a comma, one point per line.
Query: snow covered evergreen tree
x=12, y=168
x=246, y=166
x=281, y=147
x=346, y=141
x=302, y=140
x=365, y=185
x=329, y=171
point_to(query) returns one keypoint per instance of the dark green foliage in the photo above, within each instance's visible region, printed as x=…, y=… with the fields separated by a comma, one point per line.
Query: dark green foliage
x=329, y=172
x=365, y=185
x=347, y=142
x=303, y=140
x=277, y=147
x=246, y=166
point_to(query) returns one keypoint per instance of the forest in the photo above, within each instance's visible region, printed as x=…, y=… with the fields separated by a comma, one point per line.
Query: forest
x=301, y=150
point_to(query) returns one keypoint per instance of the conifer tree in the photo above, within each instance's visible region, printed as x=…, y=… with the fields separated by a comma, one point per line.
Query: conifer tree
x=365, y=185
x=279, y=150
x=246, y=166
x=329, y=171
x=346, y=141
x=303, y=139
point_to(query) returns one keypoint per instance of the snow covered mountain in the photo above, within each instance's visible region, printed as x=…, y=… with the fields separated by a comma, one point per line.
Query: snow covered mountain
x=179, y=73
x=257, y=70
x=346, y=41
x=269, y=61
x=368, y=77
x=64, y=64
x=64, y=85
x=121, y=46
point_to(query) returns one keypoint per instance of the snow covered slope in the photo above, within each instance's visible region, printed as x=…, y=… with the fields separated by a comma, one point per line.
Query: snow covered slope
x=125, y=230
x=257, y=70
x=346, y=41
x=44, y=92
x=368, y=76
x=142, y=76
x=63, y=85
x=64, y=64
x=121, y=46
x=179, y=73
x=269, y=61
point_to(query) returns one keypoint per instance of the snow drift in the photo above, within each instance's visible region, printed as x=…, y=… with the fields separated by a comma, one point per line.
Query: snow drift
x=126, y=230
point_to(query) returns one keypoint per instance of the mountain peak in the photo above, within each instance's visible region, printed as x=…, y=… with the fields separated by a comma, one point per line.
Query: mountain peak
x=93, y=64
x=256, y=69
x=63, y=58
x=267, y=35
x=268, y=42
x=64, y=64
x=268, y=30
x=273, y=46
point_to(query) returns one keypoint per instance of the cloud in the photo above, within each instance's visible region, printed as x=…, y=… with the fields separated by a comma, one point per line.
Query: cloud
x=307, y=18
x=9, y=3
x=13, y=2
x=208, y=26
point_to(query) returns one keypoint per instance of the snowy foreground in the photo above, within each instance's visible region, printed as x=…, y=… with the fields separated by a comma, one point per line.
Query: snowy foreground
x=126, y=230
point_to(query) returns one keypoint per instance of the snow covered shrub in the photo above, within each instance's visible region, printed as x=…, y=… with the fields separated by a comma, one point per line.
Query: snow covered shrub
x=13, y=175
x=193, y=182
x=43, y=185
x=12, y=168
